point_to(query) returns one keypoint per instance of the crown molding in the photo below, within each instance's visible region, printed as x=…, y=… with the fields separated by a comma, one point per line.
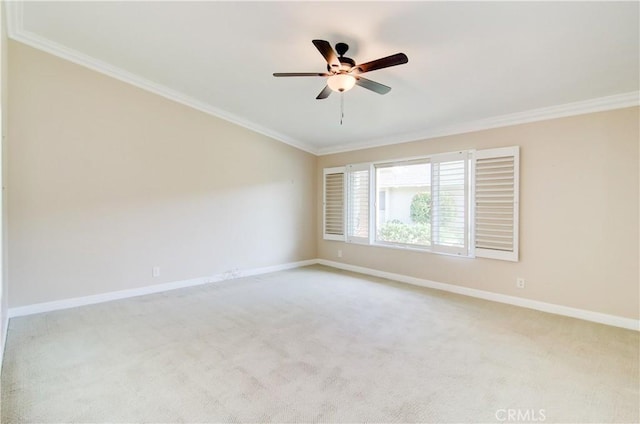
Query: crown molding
x=13, y=17
x=600, y=104
x=16, y=32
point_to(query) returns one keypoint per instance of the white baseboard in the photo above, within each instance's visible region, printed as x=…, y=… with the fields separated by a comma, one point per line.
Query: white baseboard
x=275, y=268
x=615, y=321
x=140, y=291
x=598, y=317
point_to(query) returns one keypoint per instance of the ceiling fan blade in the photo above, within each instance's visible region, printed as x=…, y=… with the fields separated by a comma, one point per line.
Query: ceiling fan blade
x=327, y=52
x=300, y=74
x=385, y=62
x=324, y=93
x=372, y=85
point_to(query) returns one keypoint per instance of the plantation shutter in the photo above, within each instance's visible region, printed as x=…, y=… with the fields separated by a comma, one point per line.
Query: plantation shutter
x=450, y=203
x=496, y=203
x=333, y=204
x=358, y=194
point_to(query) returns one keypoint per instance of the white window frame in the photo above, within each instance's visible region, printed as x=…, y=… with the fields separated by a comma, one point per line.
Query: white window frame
x=469, y=250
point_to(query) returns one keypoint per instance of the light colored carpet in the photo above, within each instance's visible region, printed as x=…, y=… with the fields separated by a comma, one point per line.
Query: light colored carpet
x=315, y=345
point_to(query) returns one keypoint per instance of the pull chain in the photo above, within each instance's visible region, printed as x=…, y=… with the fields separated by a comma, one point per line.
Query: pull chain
x=341, y=106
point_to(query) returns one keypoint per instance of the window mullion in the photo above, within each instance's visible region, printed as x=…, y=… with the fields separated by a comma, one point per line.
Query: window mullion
x=373, y=204
x=435, y=194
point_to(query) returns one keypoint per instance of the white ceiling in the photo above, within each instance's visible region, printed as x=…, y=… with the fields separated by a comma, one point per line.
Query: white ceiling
x=469, y=62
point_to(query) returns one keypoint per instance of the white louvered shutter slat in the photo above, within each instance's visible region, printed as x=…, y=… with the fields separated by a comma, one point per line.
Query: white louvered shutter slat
x=333, y=202
x=496, y=203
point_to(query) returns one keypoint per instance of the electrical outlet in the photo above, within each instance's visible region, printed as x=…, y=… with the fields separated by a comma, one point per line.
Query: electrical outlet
x=339, y=253
x=155, y=272
x=520, y=282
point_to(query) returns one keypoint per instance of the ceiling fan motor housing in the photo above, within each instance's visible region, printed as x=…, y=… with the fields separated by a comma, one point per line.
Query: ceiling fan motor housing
x=346, y=63
x=341, y=48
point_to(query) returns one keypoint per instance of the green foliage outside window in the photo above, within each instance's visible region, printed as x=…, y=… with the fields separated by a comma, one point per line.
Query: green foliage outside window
x=419, y=232
x=399, y=232
x=421, y=208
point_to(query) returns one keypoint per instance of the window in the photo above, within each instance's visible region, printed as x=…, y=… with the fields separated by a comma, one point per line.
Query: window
x=462, y=203
x=424, y=203
x=403, y=212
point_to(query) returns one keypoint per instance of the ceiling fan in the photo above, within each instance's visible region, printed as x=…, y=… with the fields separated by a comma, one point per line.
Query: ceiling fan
x=343, y=73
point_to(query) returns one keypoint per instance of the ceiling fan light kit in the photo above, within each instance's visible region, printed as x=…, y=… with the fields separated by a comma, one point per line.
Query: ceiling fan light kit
x=343, y=73
x=341, y=82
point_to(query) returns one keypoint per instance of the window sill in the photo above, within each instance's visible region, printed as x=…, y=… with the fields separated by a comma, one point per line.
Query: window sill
x=408, y=248
x=402, y=247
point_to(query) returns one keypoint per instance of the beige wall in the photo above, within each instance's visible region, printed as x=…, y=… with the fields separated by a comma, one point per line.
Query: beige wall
x=578, y=214
x=108, y=181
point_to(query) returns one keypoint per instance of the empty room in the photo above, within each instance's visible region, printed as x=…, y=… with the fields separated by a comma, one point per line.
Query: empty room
x=340, y=212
